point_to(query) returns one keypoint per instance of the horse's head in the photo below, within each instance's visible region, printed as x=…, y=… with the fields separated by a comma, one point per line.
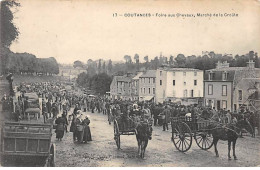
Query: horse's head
x=144, y=130
x=244, y=124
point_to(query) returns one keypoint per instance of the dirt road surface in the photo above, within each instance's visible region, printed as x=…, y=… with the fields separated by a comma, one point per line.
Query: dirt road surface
x=102, y=151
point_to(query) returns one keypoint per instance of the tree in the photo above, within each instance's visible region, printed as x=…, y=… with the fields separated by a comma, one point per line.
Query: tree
x=127, y=59
x=257, y=61
x=180, y=60
x=251, y=55
x=78, y=64
x=104, y=67
x=99, y=66
x=8, y=31
x=136, y=57
x=146, y=59
x=171, y=60
x=110, y=66
x=91, y=67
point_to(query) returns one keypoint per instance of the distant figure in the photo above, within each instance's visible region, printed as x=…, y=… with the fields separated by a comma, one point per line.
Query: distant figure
x=60, y=121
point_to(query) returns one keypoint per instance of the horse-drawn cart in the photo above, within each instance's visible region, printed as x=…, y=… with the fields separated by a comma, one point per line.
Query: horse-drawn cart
x=185, y=128
x=28, y=144
x=123, y=127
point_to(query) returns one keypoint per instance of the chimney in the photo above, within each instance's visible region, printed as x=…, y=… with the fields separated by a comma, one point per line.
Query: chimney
x=251, y=64
x=225, y=64
x=129, y=74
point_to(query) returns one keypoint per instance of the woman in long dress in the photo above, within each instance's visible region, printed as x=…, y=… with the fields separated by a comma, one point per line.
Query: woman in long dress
x=87, y=132
x=60, y=121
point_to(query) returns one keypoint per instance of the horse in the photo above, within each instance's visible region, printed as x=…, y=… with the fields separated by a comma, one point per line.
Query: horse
x=230, y=133
x=143, y=134
x=253, y=119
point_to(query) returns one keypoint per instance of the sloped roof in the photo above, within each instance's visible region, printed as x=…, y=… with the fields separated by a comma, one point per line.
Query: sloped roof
x=125, y=78
x=235, y=74
x=149, y=73
x=137, y=76
x=232, y=69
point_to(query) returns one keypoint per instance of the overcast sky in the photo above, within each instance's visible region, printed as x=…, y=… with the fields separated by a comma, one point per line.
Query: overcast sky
x=80, y=30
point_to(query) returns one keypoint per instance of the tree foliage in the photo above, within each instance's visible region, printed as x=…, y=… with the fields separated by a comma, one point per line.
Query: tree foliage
x=20, y=63
x=78, y=64
x=100, y=83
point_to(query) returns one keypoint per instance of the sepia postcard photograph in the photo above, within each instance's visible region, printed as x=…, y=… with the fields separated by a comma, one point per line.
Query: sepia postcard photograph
x=129, y=83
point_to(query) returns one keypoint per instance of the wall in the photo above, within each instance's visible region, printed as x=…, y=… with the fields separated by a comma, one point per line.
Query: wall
x=178, y=89
x=217, y=93
x=146, y=85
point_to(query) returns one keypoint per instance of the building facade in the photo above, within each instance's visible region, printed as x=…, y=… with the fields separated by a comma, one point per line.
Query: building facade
x=179, y=84
x=229, y=87
x=121, y=87
x=147, y=85
x=135, y=86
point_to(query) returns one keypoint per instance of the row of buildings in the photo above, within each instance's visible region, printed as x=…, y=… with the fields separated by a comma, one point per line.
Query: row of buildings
x=222, y=87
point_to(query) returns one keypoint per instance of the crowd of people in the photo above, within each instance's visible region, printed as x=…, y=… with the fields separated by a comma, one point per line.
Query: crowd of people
x=62, y=105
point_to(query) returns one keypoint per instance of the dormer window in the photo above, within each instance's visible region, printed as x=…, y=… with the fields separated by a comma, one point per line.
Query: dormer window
x=211, y=75
x=224, y=76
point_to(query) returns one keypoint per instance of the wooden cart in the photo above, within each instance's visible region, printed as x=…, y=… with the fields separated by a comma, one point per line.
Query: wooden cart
x=123, y=128
x=28, y=144
x=186, y=128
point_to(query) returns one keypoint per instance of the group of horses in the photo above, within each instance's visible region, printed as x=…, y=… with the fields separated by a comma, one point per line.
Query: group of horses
x=226, y=132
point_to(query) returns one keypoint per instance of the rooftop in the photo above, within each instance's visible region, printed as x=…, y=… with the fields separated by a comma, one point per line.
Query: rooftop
x=149, y=73
x=137, y=76
x=178, y=69
x=232, y=69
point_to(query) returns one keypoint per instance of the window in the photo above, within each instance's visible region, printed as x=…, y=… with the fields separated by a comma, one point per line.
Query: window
x=144, y=80
x=195, y=73
x=153, y=90
x=141, y=90
x=149, y=80
x=224, y=90
x=240, y=95
x=153, y=80
x=173, y=73
x=185, y=93
x=129, y=84
x=184, y=83
x=160, y=82
x=224, y=104
x=224, y=75
x=144, y=90
x=184, y=73
x=191, y=93
x=195, y=82
x=211, y=76
x=173, y=82
x=210, y=89
x=160, y=73
x=149, y=90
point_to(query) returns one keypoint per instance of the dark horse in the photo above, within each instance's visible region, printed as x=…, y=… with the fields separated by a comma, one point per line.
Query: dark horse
x=143, y=134
x=230, y=133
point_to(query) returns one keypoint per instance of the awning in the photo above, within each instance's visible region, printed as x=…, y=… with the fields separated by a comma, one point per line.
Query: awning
x=148, y=98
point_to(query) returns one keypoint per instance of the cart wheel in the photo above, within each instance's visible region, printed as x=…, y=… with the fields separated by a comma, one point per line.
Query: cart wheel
x=182, y=137
x=204, y=140
x=52, y=155
x=116, y=134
